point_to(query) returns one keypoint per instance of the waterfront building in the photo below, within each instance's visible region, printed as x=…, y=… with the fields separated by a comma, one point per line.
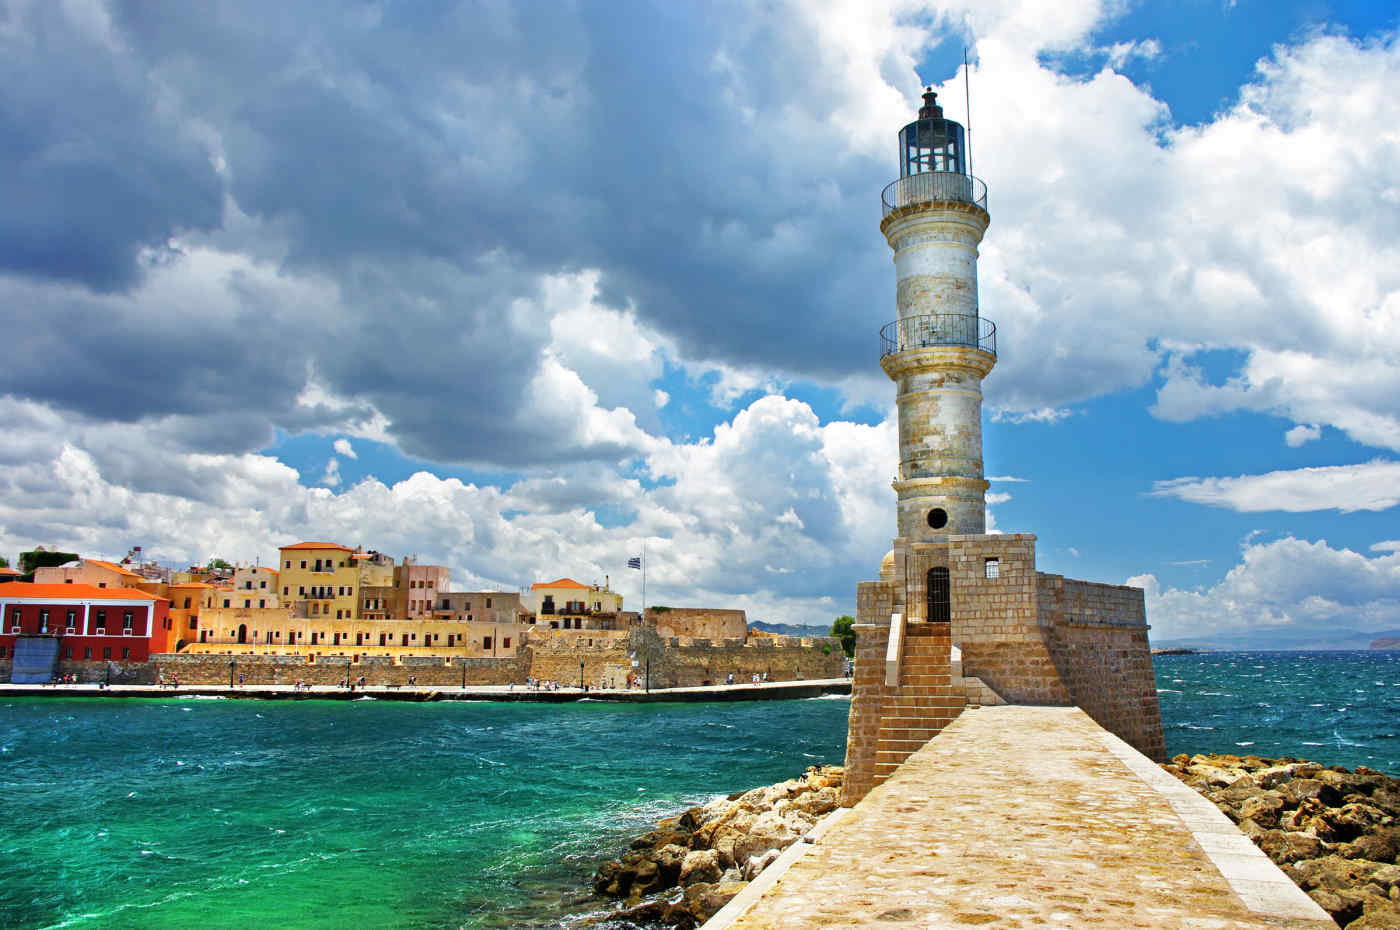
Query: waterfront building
x=257, y=584
x=568, y=605
x=319, y=580
x=95, y=572
x=480, y=607
x=960, y=616
x=74, y=628
x=418, y=588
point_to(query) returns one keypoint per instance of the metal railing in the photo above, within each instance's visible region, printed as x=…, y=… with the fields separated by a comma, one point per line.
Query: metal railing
x=938, y=329
x=933, y=187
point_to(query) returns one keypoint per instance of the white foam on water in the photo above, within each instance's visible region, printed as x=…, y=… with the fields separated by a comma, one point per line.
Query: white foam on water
x=1250, y=743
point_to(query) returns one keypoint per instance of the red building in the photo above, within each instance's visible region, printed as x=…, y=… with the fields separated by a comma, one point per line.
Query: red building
x=62, y=623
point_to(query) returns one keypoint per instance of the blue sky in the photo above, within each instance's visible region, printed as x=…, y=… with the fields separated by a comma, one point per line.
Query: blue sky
x=524, y=294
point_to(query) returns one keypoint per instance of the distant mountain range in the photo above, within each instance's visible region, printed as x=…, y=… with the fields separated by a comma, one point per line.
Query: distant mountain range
x=791, y=629
x=1287, y=639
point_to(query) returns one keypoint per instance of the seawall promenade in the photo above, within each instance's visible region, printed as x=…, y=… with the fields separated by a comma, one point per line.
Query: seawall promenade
x=765, y=691
x=1021, y=817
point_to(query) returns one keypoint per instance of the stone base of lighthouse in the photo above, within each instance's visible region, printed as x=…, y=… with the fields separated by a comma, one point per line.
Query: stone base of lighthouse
x=974, y=624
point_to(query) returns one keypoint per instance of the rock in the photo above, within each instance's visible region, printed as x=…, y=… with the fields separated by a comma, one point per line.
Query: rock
x=670, y=861
x=1289, y=847
x=692, y=819
x=1384, y=916
x=713, y=897
x=758, y=863
x=1304, y=789
x=1262, y=808
x=768, y=832
x=1332, y=872
x=1381, y=846
x=646, y=878
x=605, y=880
x=1387, y=876
x=700, y=865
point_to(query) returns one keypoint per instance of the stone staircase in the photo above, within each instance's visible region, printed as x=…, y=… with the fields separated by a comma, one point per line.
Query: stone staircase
x=923, y=703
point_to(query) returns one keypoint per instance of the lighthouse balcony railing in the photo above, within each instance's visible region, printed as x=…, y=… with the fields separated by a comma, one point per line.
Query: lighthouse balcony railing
x=938, y=329
x=933, y=187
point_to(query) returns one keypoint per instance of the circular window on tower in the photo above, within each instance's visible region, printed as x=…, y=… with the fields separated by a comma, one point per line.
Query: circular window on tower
x=938, y=518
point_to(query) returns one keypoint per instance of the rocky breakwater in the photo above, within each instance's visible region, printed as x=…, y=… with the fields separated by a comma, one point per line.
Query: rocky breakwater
x=1335, y=832
x=690, y=866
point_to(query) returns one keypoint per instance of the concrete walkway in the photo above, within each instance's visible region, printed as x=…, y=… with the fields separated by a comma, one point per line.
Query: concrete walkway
x=1022, y=817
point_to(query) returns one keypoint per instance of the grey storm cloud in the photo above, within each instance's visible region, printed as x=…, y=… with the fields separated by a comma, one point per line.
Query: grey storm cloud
x=432, y=160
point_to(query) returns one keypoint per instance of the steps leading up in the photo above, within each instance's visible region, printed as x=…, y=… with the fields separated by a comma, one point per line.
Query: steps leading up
x=923, y=703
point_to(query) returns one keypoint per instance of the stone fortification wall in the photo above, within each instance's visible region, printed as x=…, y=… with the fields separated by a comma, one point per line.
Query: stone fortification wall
x=377, y=670
x=699, y=622
x=92, y=672
x=868, y=693
x=686, y=663
x=554, y=655
x=1098, y=638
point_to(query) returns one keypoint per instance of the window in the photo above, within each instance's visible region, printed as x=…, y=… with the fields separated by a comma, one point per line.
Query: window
x=262, y=584
x=126, y=620
x=993, y=568
x=72, y=619
x=43, y=621
x=488, y=602
x=288, y=564
x=106, y=652
x=301, y=590
x=87, y=652
x=485, y=642
x=247, y=602
x=102, y=618
x=67, y=653
x=126, y=652
x=262, y=602
x=102, y=584
x=225, y=602
x=194, y=623
x=303, y=563
x=187, y=603
x=505, y=643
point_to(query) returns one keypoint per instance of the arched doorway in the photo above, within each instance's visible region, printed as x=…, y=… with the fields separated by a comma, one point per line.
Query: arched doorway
x=939, y=596
x=242, y=632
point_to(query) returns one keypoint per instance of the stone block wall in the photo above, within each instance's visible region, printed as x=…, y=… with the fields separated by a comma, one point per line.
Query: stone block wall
x=699, y=622
x=554, y=655
x=677, y=662
x=995, y=621
x=868, y=693
x=1098, y=637
x=377, y=670
x=92, y=672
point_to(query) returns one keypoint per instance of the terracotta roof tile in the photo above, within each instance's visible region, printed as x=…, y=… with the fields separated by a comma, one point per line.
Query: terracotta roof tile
x=561, y=583
x=317, y=545
x=74, y=592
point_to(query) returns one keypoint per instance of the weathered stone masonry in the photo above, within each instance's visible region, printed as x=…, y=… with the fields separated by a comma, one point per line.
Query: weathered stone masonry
x=961, y=617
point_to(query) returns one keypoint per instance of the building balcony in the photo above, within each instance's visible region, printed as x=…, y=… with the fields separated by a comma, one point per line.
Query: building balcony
x=933, y=187
x=939, y=329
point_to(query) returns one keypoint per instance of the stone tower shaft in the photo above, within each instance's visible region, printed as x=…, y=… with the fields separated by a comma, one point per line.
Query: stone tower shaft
x=939, y=349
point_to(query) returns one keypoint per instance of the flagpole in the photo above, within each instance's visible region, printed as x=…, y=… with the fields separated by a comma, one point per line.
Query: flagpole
x=644, y=581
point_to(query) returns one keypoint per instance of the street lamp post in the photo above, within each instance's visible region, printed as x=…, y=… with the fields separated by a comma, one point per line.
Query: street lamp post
x=580, y=674
x=230, y=674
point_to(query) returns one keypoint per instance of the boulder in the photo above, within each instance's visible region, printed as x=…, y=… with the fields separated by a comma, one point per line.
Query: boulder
x=1285, y=847
x=700, y=865
x=1383, y=916
x=1332, y=873
x=1262, y=808
x=669, y=860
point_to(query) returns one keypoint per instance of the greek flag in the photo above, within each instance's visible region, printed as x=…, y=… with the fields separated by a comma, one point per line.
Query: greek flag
x=634, y=562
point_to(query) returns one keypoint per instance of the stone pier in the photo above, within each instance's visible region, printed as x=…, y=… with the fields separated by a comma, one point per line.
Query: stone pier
x=1022, y=817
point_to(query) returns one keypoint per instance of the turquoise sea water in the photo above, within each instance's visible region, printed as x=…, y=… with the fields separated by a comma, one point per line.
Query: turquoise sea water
x=1340, y=708
x=227, y=813
x=188, y=812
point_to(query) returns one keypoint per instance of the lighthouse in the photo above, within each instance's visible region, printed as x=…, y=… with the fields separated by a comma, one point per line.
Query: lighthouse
x=960, y=618
x=939, y=348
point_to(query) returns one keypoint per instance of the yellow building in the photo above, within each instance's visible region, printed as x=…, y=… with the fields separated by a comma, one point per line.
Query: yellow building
x=268, y=631
x=566, y=604
x=257, y=583
x=319, y=580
